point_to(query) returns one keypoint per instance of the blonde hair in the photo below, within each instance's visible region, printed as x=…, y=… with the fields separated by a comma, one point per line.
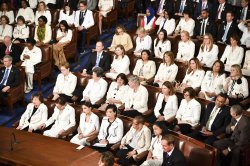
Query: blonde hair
x=211, y=40
x=141, y=30
x=186, y=33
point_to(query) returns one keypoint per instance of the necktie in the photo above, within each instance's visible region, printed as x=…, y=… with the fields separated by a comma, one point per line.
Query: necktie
x=232, y=87
x=160, y=7
x=203, y=27
x=242, y=14
x=7, y=51
x=166, y=155
x=163, y=24
x=181, y=7
x=97, y=60
x=203, y=5
x=218, y=13
x=213, y=113
x=5, y=77
x=224, y=38
x=81, y=18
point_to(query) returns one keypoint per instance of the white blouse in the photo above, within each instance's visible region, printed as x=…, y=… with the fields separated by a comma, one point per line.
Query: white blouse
x=121, y=65
x=169, y=25
x=27, y=13
x=115, y=93
x=186, y=26
x=146, y=71
x=189, y=111
x=246, y=67
x=48, y=34
x=105, y=5
x=194, y=79
x=9, y=14
x=21, y=32
x=236, y=89
x=161, y=48
x=92, y=125
x=166, y=73
x=66, y=38
x=143, y=44
x=156, y=148
x=185, y=50
x=5, y=31
x=66, y=17
x=245, y=38
x=45, y=13
x=208, y=57
x=170, y=108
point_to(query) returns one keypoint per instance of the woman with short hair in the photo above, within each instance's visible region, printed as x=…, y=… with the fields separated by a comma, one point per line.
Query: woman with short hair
x=143, y=41
x=43, y=31
x=21, y=31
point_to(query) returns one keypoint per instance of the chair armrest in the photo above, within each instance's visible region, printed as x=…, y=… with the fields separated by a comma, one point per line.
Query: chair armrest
x=148, y=113
x=115, y=147
x=38, y=66
x=150, y=81
x=13, y=90
x=67, y=132
x=171, y=120
x=141, y=156
x=92, y=138
x=100, y=101
x=15, y=125
x=245, y=103
x=122, y=107
x=50, y=96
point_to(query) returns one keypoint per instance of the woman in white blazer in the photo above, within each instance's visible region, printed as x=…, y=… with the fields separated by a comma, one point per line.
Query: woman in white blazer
x=67, y=14
x=212, y=83
x=5, y=28
x=233, y=53
x=43, y=32
x=244, y=26
x=148, y=22
x=136, y=100
x=145, y=68
x=21, y=31
x=155, y=157
x=186, y=48
x=111, y=130
x=136, y=141
x=26, y=12
x=236, y=86
x=167, y=70
x=65, y=84
x=35, y=114
x=117, y=90
x=5, y=10
x=185, y=24
x=120, y=63
x=208, y=53
x=246, y=67
x=166, y=22
x=161, y=44
x=143, y=41
x=188, y=114
x=194, y=75
x=42, y=11
x=166, y=105
x=63, y=119
x=89, y=125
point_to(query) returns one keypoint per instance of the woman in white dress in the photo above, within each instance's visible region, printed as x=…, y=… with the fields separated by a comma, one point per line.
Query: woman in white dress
x=105, y=6
x=193, y=77
x=5, y=10
x=120, y=63
x=167, y=70
x=208, y=53
x=166, y=22
x=155, y=157
x=35, y=114
x=42, y=11
x=143, y=41
x=67, y=14
x=21, y=31
x=212, y=83
x=233, y=53
x=161, y=44
x=5, y=28
x=186, y=48
x=63, y=119
x=89, y=125
x=186, y=23
x=145, y=68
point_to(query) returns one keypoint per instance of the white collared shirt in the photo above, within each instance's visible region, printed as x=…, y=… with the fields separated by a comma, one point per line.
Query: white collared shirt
x=169, y=153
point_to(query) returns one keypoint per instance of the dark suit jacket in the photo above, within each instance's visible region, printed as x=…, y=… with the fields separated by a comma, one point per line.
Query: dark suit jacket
x=241, y=134
x=226, y=8
x=104, y=62
x=188, y=5
x=15, y=52
x=233, y=29
x=72, y=3
x=176, y=159
x=169, y=6
x=210, y=27
x=238, y=14
x=14, y=76
x=198, y=8
x=221, y=120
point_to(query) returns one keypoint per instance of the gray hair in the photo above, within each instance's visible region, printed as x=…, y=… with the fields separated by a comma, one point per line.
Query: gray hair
x=237, y=109
x=134, y=79
x=8, y=57
x=98, y=71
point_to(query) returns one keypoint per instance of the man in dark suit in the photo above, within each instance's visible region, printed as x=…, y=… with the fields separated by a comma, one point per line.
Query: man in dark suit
x=227, y=29
x=214, y=122
x=182, y=5
x=11, y=49
x=202, y=5
x=72, y=3
x=204, y=25
x=240, y=136
x=220, y=10
x=243, y=13
x=98, y=58
x=172, y=156
x=9, y=76
x=166, y=5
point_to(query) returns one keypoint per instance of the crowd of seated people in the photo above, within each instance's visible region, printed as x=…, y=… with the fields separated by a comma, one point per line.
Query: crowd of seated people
x=204, y=42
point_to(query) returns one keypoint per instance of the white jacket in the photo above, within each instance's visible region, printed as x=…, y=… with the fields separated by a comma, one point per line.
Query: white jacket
x=185, y=50
x=94, y=123
x=21, y=32
x=208, y=57
x=88, y=19
x=48, y=34
x=149, y=69
x=194, y=79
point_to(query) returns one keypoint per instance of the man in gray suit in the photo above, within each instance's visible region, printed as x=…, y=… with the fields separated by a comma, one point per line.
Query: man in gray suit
x=240, y=136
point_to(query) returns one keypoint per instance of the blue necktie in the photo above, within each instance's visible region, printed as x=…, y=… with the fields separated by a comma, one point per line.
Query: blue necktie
x=181, y=7
x=224, y=37
x=97, y=60
x=5, y=77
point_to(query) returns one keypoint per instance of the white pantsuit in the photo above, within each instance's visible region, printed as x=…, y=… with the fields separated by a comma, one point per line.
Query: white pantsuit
x=48, y=34
x=21, y=32
x=166, y=73
x=185, y=50
x=246, y=67
x=67, y=17
x=208, y=57
x=161, y=48
x=146, y=71
x=63, y=121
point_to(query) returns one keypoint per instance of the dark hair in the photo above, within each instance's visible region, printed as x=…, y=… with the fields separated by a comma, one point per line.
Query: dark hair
x=87, y=104
x=140, y=119
x=205, y=10
x=123, y=77
x=231, y=12
x=169, y=85
x=171, y=56
x=169, y=138
x=222, y=67
x=8, y=7
x=235, y=37
x=191, y=92
x=223, y=95
x=45, y=20
x=170, y=14
x=107, y=158
x=6, y=18
x=31, y=41
x=39, y=96
x=83, y=2
x=27, y=3
x=197, y=62
x=148, y=53
x=164, y=39
x=64, y=23
x=98, y=71
x=162, y=126
x=21, y=18
x=186, y=11
x=113, y=108
x=61, y=101
x=64, y=10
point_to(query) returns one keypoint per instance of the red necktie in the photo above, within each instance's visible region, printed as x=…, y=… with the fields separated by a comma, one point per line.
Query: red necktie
x=7, y=51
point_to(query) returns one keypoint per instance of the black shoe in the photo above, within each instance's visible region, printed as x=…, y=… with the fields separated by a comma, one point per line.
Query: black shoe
x=82, y=52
